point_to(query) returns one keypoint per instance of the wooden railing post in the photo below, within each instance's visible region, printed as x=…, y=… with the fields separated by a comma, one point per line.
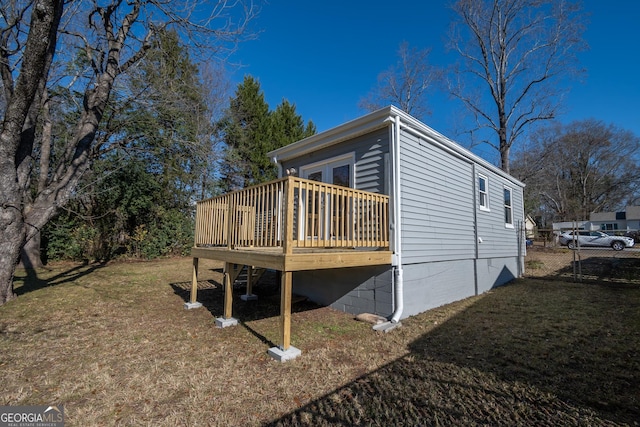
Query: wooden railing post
x=288, y=216
x=230, y=222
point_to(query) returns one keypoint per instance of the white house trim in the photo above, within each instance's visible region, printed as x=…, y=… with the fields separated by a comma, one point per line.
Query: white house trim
x=376, y=120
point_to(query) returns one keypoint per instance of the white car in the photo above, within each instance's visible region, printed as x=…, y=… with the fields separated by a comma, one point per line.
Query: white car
x=595, y=238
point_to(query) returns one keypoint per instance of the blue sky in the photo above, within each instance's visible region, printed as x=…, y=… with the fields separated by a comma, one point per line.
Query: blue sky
x=325, y=56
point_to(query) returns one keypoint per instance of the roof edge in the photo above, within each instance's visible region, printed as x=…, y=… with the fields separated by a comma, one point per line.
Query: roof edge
x=364, y=124
x=373, y=121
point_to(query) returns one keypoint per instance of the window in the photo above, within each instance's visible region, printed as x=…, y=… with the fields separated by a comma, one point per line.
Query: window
x=341, y=175
x=508, y=208
x=609, y=227
x=315, y=176
x=325, y=213
x=337, y=170
x=483, y=192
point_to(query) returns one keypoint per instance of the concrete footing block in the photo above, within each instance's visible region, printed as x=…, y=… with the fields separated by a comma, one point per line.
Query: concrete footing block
x=387, y=326
x=192, y=305
x=221, y=322
x=283, y=355
x=248, y=297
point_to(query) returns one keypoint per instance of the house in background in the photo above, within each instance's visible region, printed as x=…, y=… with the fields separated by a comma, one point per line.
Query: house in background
x=380, y=215
x=627, y=220
x=530, y=226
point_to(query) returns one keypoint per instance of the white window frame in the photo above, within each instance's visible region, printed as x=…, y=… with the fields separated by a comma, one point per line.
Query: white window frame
x=485, y=206
x=508, y=222
x=326, y=166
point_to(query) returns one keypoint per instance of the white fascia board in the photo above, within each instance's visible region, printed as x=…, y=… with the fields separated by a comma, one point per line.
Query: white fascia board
x=365, y=124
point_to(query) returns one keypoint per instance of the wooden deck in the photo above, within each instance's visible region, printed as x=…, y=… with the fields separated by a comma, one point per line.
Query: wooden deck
x=299, y=259
x=290, y=224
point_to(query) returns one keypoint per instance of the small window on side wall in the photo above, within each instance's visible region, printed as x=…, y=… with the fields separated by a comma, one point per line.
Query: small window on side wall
x=508, y=208
x=483, y=192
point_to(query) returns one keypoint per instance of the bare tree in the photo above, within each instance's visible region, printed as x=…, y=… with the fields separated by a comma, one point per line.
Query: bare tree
x=576, y=169
x=218, y=89
x=514, y=54
x=118, y=35
x=406, y=84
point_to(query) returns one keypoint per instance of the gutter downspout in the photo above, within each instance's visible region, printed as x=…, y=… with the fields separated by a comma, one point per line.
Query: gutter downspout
x=397, y=240
x=397, y=279
x=278, y=165
x=476, y=236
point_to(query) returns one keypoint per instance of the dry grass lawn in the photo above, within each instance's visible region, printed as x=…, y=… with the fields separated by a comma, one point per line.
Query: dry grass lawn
x=114, y=344
x=589, y=264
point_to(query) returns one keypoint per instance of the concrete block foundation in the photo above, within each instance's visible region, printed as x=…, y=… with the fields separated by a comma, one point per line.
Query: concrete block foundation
x=283, y=355
x=221, y=322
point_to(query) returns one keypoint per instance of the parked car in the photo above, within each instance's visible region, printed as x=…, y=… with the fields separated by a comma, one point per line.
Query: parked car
x=595, y=238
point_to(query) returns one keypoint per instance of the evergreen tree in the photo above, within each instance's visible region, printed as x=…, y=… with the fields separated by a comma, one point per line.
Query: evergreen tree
x=246, y=135
x=287, y=126
x=251, y=130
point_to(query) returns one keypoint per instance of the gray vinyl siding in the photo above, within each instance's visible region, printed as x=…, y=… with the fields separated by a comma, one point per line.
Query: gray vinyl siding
x=498, y=240
x=437, y=203
x=369, y=150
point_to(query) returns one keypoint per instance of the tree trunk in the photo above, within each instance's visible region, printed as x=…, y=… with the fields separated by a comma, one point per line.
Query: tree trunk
x=42, y=35
x=11, y=238
x=30, y=256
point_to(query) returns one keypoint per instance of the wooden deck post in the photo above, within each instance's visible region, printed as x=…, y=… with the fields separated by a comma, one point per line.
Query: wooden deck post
x=194, y=282
x=285, y=310
x=230, y=274
x=249, y=296
x=249, y=280
x=193, y=298
x=228, y=290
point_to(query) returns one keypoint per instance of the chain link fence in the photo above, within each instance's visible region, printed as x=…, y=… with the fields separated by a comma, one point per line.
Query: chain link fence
x=547, y=257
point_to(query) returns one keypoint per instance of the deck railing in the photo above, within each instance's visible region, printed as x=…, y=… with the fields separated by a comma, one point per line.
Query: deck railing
x=294, y=212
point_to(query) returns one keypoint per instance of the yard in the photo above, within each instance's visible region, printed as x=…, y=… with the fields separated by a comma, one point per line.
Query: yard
x=587, y=264
x=114, y=344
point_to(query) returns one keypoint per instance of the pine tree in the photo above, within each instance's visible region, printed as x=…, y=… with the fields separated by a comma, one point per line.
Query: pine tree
x=246, y=135
x=287, y=126
x=251, y=130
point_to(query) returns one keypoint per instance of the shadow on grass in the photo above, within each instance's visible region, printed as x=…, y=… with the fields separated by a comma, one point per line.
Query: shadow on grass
x=527, y=354
x=605, y=269
x=267, y=304
x=27, y=279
